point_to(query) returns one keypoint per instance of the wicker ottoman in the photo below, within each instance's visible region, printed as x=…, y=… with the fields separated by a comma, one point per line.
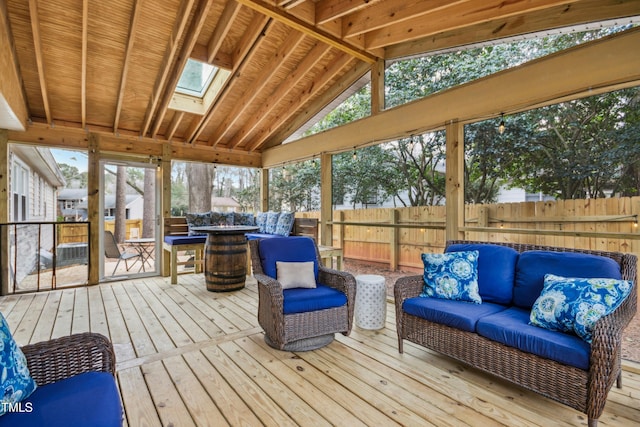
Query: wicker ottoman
x=371, y=301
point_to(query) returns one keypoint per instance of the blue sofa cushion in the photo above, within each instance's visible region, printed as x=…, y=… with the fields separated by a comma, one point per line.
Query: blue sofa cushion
x=285, y=223
x=89, y=399
x=496, y=270
x=302, y=300
x=287, y=249
x=255, y=236
x=261, y=221
x=452, y=275
x=15, y=380
x=198, y=220
x=533, y=265
x=272, y=222
x=461, y=315
x=511, y=327
x=575, y=305
x=184, y=240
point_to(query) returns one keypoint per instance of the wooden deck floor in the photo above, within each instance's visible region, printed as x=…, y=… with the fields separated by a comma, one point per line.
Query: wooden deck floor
x=191, y=357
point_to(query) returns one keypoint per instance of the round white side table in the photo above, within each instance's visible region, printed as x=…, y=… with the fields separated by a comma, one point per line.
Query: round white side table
x=371, y=301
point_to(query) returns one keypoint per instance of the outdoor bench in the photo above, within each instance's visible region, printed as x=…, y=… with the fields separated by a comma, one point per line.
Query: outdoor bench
x=497, y=336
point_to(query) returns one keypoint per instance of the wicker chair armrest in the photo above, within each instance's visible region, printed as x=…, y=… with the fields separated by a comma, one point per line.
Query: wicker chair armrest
x=344, y=282
x=273, y=287
x=407, y=287
x=64, y=357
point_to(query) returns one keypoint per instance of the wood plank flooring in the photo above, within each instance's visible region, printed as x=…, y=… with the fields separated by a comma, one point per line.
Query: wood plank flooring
x=188, y=357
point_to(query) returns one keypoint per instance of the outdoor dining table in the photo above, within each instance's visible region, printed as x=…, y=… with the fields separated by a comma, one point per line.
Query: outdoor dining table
x=145, y=246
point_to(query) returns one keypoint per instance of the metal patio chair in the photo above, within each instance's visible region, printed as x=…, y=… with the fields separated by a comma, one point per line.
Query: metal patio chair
x=111, y=250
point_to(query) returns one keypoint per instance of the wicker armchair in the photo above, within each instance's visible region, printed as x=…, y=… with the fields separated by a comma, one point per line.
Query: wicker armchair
x=307, y=330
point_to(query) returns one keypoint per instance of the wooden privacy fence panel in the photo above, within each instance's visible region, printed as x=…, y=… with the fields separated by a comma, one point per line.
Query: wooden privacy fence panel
x=71, y=232
x=397, y=236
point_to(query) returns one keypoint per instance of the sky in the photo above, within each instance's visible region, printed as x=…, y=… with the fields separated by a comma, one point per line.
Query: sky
x=72, y=158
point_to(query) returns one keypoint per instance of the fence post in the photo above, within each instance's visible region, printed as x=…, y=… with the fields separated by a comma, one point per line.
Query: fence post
x=393, y=241
x=483, y=220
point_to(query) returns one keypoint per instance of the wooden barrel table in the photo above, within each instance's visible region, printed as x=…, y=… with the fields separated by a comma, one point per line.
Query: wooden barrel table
x=225, y=257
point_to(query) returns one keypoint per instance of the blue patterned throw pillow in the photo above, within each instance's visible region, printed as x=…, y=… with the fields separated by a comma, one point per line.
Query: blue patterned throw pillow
x=452, y=275
x=576, y=304
x=198, y=220
x=16, y=381
x=272, y=222
x=285, y=224
x=261, y=221
x=243, y=218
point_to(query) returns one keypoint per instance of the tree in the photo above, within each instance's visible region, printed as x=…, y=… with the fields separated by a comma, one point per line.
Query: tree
x=149, y=203
x=200, y=178
x=121, y=204
x=72, y=176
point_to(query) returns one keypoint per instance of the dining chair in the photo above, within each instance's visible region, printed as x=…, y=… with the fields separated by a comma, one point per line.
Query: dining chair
x=111, y=250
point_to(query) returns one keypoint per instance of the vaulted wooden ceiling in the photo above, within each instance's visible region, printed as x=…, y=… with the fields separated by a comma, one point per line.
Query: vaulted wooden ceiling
x=111, y=67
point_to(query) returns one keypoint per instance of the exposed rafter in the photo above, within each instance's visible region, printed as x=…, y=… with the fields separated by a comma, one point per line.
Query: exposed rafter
x=83, y=67
x=133, y=28
x=222, y=29
x=37, y=43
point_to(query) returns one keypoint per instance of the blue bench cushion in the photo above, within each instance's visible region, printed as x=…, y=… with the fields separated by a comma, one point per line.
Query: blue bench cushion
x=461, y=315
x=287, y=249
x=302, y=300
x=254, y=236
x=184, y=240
x=496, y=270
x=511, y=327
x=89, y=399
x=533, y=265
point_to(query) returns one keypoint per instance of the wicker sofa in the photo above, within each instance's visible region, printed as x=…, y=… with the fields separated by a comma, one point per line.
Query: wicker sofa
x=76, y=386
x=495, y=336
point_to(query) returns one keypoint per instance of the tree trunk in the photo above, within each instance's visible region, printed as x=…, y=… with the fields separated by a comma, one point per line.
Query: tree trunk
x=121, y=204
x=149, y=204
x=200, y=177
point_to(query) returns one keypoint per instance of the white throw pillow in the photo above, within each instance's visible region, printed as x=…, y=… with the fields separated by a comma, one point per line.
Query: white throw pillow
x=296, y=274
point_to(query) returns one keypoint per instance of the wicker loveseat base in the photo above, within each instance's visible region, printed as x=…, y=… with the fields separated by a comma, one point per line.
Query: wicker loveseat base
x=585, y=390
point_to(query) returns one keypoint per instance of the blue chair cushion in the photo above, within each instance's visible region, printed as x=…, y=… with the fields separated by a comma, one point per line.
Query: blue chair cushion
x=533, y=265
x=511, y=327
x=302, y=300
x=461, y=315
x=496, y=270
x=287, y=249
x=89, y=399
x=184, y=240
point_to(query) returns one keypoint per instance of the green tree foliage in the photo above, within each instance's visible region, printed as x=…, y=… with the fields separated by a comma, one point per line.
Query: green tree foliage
x=73, y=177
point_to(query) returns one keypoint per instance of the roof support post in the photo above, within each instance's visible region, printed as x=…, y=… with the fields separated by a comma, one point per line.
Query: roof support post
x=165, y=203
x=326, y=199
x=454, y=189
x=264, y=190
x=4, y=210
x=93, y=205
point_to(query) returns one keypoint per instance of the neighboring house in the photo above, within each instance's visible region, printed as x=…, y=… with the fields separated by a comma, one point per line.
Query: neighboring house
x=134, y=206
x=34, y=178
x=224, y=204
x=69, y=201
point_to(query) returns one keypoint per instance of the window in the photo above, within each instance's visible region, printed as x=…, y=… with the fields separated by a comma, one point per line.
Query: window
x=198, y=87
x=196, y=78
x=19, y=188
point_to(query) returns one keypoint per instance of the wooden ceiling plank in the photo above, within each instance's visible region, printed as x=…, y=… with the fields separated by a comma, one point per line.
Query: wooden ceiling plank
x=393, y=12
x=197, y=23
x=328, y=10
x=223, y=26
x=458, y=16
x=308, y=29
x=37, y=43
x=579, y=13
x=308, y=63
x=83, y=66
x=12, y=95
x=180, y=24
x=569, y=74
x=287, y=48
x=335, y=68
x=133, y=28
x=258, y=26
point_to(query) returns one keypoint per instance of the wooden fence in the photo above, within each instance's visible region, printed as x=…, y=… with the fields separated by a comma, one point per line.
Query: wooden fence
x=70, y=232
x=397, y=236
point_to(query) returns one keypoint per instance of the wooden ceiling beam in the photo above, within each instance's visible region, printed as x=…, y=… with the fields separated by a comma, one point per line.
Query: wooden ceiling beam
x=198, y=124
x=223, y=26
x=180, y=24
x=569, y=74
x=318, y=104
x=197, y=23
x=83, y=65
x=293, y=78
x=280, y=57
x=308, y=29
x=133, y=28
x=580, y=13
x=14, y=112
x=173, y=126
x=37, y=44
x=290, y=110
x=456, y=16
x=328, y=10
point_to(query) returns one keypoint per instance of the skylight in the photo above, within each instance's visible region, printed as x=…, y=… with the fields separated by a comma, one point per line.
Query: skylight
x=196, y=78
